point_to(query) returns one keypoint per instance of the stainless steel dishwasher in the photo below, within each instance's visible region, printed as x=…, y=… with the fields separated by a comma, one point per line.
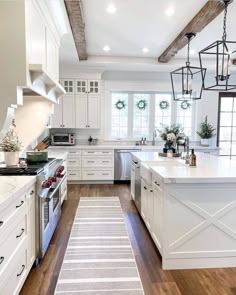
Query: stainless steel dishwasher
x=122, y=164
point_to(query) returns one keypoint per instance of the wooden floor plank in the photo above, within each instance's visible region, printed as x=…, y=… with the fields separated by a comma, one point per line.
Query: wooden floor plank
x=42, y=280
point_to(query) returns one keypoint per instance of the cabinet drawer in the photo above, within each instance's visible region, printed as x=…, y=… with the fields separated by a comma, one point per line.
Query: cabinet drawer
x=11, y=240
x=14, y=276
x=98, y=162
x=8, y=213
x=73, y=174
x=93, y=174
x=97, y=152
x=73, y=162
x=156, y=182
x=74, y=153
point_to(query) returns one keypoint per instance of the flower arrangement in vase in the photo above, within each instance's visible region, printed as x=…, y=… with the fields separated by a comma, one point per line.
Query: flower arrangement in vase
x=11, y=146
x=171, y=135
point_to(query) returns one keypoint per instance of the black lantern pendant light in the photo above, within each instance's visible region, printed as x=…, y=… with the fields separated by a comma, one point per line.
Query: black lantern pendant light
x=187, y=81
x=221, y=79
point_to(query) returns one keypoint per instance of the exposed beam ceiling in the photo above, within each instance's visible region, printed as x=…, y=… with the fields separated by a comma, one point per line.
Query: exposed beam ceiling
x=207, y=14
x=75, y=15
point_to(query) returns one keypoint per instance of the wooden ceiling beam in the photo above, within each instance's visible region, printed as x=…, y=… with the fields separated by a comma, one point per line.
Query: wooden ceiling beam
x=75, y=15
x=206, y=15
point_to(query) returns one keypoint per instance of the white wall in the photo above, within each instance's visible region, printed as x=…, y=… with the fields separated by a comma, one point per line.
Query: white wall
x=143, y=81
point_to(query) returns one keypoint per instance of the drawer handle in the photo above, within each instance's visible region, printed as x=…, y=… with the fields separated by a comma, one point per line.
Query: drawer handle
x=19, y=274
x=145, y=187
x=105, y=152
x=1, y=259
x=105, y=161
x=90, y=152
x=18, y=206
x=105, y=173
x=22, y=231
x=151, y=191
x=31, y=193
x=90, y=161
x=72, y=174
x=156, y=183
x=72, y=152
x=1, y=223
x=90, y=173
x=72, y=161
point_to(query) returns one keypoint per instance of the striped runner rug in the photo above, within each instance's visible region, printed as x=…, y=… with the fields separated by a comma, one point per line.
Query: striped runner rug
x=99, y=258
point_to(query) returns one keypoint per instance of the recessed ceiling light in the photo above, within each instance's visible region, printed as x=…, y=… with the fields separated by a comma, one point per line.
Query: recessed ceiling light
x=106, y=48
x=111, y=8
x=145, y=50
x=170, y=11
x=192, y=51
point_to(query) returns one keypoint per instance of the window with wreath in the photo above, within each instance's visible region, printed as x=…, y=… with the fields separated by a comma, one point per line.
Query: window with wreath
x=184, y=116
x=141, y=107
x=119, y=115
x=162, y=110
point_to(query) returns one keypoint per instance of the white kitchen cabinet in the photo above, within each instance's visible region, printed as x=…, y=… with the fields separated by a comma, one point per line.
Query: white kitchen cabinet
x=132, y=181
x=88, y=111
x=150, y=209
x=87, y=86
x=17, y=241
x=144, y=197
x=156, y=230
x=68, y=85
x=63, y=116
x=52, y=55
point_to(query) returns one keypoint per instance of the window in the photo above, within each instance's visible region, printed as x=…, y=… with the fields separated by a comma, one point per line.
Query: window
x=135, y=115
x=227, y=124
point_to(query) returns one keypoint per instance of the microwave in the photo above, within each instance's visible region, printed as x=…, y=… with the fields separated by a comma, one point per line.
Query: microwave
x=63, y=139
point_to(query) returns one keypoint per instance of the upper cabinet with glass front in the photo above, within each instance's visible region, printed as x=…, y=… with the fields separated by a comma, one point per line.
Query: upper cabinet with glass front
x=87, y=86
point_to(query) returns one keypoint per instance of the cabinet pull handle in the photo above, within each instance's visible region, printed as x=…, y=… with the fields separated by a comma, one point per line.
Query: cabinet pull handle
x=22, y=231
x=72, y=161
x=1, y=259
x=144, y=187
x=105, y=161
x=90, y=152
x=31, y=193
x=1, y=223
x=72, y=174
x=156, y=183
x=18, y=206
x=105, y=173
x=90, y=173
x=151, y=191
x=90, y=161
x=19, y=274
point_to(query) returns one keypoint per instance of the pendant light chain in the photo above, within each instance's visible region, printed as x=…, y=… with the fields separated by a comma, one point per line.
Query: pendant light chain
x=188, y=62
x=225, y=22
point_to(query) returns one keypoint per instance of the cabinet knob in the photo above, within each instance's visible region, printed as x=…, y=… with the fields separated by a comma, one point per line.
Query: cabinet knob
x=31, y=193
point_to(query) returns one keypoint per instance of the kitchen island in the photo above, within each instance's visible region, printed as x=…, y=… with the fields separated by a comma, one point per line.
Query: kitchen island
x=190, y=212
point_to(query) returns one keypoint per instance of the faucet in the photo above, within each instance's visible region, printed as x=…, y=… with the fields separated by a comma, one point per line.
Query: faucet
x=187, y=158
x=154, y=135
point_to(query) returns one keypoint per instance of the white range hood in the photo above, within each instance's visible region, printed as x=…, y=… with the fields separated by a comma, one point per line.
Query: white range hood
x=29, y=56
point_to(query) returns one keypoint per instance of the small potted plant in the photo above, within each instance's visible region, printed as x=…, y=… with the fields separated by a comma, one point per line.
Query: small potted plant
x=11, y=146
x=206, y=132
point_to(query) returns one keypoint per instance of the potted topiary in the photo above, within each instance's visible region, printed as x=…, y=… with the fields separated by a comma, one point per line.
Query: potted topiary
x=206, y=132
x=11, y=146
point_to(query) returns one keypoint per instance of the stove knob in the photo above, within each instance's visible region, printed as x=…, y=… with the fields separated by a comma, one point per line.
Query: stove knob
x=61, y=168
x=58, y=174
x=54, y=179
x=47, y=184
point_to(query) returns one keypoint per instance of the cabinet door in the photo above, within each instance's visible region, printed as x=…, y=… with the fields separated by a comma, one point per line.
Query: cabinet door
x=144, y=195
x=157, y=218
x=94, y=111
x=56, y=121
x=150, y=210
x=132, y=181
x=81, y=111
x=94, y=86
x=68, y=84
x=68, y=112
x=31, y=226
x=81, y=86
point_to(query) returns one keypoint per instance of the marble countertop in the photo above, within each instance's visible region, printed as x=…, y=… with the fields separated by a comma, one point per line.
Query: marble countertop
x=11, y=186
x=210, y=169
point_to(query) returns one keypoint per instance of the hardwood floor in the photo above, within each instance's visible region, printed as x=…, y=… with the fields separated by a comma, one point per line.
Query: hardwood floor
x=42, y=280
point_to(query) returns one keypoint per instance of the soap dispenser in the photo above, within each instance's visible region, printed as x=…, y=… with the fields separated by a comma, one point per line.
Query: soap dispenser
x=193, y=159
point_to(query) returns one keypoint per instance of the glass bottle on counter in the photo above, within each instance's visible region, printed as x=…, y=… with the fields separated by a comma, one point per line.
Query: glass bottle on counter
x=193, y=159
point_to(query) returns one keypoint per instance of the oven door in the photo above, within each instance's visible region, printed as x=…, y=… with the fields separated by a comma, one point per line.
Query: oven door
x=50, y=211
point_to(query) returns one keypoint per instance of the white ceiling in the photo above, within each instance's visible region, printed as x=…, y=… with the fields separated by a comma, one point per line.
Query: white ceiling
x=137, y=24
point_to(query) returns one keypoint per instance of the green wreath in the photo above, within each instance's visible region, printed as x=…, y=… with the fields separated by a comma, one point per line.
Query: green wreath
x=185, y=105
x=120, y=104
x=164, y=104
x=142, y=104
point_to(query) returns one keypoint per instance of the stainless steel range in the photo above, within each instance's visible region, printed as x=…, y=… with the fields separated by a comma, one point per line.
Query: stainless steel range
x=49, y=178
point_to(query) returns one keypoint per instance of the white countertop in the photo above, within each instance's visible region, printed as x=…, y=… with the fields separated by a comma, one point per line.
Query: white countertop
x=210, y=169
x=10, y=186
x=118, y=146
